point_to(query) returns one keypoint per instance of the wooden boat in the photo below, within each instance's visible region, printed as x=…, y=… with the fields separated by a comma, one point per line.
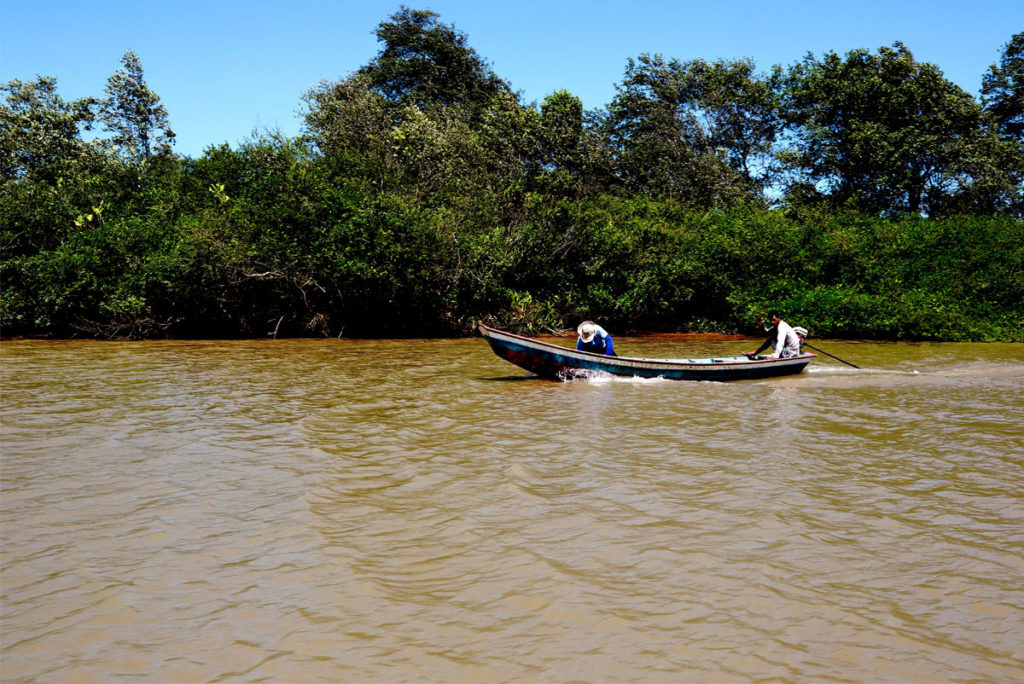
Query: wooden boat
x=562, y=363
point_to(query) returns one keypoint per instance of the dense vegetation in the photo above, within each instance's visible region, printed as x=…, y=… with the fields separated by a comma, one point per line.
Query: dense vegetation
x=863, y=195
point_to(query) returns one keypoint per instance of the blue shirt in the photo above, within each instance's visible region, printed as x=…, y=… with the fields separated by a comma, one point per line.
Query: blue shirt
x=601, y=344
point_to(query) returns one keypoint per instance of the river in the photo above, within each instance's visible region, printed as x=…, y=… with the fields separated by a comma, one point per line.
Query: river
x=420, y=510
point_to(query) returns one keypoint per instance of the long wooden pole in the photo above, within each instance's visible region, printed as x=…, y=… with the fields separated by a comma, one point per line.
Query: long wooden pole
x=834, y=357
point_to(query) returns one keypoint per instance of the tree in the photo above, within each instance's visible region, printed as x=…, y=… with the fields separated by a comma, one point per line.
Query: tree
x=695, y=130
x=425, y=62
x=133, y=115
x=882, y=130
x=427, y=114
x=644, y=133
x=38, y=129
x=733, y=109
x=571, y=152
x=561, y=129
x=350, y=122
x=987, y=179
x=1002, y=89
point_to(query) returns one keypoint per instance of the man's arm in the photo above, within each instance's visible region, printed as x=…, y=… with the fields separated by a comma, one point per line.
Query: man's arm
x=764, y=345
x=609, y=346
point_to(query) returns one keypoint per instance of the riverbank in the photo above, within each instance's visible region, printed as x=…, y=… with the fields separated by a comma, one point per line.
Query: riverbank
x=358, y=269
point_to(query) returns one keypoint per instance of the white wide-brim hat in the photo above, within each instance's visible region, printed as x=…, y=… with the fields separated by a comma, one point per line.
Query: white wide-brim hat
x=587, y=330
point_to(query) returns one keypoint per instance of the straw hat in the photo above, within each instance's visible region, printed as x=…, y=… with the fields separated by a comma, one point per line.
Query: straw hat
x=587, y=330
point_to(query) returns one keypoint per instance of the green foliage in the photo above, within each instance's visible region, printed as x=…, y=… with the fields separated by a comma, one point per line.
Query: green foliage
x=1002, y=89
x=571, y=157
x=424, y=62
x=133, y=115
x=697, y=131
x=39, y=131
x=424, y=196
x=887, y=133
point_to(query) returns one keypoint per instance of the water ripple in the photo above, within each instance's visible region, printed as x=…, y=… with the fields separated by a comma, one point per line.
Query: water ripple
x=415, y=510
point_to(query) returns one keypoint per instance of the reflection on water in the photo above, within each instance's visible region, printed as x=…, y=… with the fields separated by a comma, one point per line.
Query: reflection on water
x=420, y=510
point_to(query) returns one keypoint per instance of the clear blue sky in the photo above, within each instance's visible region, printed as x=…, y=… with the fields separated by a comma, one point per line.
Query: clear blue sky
x=225, y=68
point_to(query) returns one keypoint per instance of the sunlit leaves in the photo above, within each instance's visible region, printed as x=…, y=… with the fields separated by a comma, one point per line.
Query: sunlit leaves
x=882, y=130
x=1002, y=89
x=423, y=61
x=699, y=131
x=133, y=114
x=39, y=130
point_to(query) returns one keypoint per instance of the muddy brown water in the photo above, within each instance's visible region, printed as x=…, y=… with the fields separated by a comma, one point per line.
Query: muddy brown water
x=419, y=510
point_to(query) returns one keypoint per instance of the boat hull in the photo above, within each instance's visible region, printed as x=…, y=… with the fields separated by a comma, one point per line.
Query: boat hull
x=561, y=363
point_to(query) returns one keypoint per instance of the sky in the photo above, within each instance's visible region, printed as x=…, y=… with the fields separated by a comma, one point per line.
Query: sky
x=228, y=69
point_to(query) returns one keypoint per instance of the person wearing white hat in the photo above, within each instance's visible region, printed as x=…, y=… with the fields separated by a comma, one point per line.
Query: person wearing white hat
x=594, y=338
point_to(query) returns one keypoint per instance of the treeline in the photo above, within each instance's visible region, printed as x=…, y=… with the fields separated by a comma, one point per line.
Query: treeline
x=863, y=195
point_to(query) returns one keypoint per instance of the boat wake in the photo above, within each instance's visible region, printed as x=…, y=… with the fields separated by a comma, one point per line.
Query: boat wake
x=598, y=376
x=842, y=370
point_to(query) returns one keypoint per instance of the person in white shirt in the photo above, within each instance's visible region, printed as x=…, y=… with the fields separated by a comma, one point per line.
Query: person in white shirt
x=781, y=337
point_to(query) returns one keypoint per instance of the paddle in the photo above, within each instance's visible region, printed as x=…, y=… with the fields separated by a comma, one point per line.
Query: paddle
x=834, y=357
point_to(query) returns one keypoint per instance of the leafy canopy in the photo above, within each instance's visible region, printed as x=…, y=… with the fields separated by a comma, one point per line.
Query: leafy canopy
x=1002, y=89
x=426, y=62
x=881, y=130
x=133, y=114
